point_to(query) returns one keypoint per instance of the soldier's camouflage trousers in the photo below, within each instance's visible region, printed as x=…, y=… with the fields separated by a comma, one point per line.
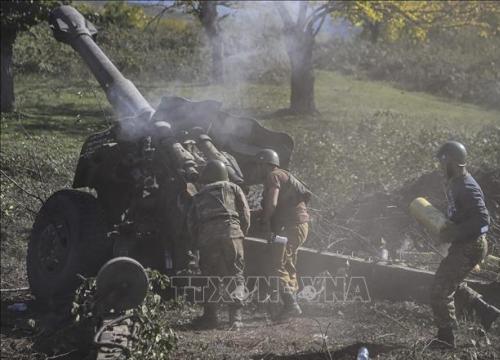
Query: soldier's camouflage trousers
x=223, y=257
x=449, y=278
x=286, y=270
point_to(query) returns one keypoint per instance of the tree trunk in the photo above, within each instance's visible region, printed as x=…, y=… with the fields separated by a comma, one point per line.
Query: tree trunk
x=300, y=51
x=208, y=18
x=7, y=80
x=217, y=70
x=374, y=30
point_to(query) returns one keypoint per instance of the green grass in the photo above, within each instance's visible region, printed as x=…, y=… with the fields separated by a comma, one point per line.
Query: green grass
x=76, y=109
x=341, y=98
x=369, y=136
x=346, y=98
x=361, y=123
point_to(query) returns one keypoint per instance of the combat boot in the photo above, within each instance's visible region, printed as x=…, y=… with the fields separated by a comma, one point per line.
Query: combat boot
x=209, y=318
x=235, y=318
x=487, y=313
x=445, y=339
x=290, y=307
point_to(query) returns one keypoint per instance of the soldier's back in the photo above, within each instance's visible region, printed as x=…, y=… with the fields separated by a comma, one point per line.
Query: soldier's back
x=217, y=211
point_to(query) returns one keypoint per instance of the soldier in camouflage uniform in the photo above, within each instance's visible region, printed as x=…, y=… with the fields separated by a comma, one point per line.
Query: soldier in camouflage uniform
x=466, y=229
x=218, y=220
x=285, y=214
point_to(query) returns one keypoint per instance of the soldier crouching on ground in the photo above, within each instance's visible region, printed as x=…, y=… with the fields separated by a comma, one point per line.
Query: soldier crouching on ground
x=285, y=214
x=218, y=220
x=466, y=229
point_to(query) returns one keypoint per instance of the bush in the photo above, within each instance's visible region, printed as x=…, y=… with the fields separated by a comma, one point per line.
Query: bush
x=167, y=49
x=457, y=64
x=154, y=339
x=173, y=50
x=341, y=160
x=37, y=171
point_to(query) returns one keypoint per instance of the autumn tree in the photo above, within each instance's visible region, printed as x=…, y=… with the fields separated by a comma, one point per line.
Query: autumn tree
x=389, y=19
x=16, y=16
x=208, y=15
x=299, y=33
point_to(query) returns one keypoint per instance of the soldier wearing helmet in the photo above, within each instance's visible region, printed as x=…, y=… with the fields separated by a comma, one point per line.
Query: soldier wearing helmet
x=218, y=220
x=285, y=214
x=468, y=223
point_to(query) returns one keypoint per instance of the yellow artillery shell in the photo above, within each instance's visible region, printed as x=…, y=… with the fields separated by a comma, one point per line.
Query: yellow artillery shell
x=427, y=215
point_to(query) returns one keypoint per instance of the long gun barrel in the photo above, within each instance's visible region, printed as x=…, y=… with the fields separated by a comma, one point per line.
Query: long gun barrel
x=70, y=27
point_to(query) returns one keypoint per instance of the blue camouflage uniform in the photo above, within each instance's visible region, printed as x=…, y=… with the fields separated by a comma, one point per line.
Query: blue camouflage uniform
x=469, y=215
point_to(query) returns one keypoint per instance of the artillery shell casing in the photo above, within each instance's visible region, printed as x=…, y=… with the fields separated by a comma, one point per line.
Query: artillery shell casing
x=428, y=215
x=492, y=263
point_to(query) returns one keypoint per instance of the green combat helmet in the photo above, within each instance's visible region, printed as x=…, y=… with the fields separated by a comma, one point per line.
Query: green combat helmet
x=268, y=156
x=452, y=152
x=215, y=170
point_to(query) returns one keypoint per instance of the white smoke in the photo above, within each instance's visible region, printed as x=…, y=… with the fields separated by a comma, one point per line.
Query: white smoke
x=253, y=51
x=253, y=46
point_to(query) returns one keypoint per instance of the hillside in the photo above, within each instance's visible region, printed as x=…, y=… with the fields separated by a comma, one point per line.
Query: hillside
x=368, y=137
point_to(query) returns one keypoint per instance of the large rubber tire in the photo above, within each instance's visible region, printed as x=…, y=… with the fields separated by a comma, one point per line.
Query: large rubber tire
x=68, y=238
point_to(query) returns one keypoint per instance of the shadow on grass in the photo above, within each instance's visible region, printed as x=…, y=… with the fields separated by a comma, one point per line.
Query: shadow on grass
x=32, y=334
x=70, y=109
x=347, y=352
x=65, y=118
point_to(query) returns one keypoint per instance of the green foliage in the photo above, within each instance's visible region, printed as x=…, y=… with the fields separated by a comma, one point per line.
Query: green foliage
x=124, y=15
x=83, y=301
x=37, y=52
x=172, y=51
x=155, y=338
x=369, y=136
x=19, y=15
x=388, y=152
x=37, y=171
x=456, y=63
x=416, y=19
x=118, y=13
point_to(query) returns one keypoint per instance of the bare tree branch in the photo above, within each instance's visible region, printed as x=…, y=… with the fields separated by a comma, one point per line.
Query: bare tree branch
x=32, y=155
x=319, y=13
x=316, y=11
x=220, y=18
x=383, y=313
x=15, y=289
x=302, y=14
x=158, y=16
x=284, y=14
x=22, y=188
x=320, y=25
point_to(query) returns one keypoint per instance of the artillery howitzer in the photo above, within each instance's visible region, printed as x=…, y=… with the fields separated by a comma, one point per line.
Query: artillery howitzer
x=143, y=172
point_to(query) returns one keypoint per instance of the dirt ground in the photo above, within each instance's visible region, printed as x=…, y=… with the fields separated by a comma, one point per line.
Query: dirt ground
x=325, y=331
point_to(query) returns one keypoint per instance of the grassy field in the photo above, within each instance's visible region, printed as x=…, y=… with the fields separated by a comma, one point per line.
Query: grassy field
x=369, y=136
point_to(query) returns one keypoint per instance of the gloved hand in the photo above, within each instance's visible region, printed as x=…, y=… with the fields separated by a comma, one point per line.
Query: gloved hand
x=449, y=232
x=269, y=236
